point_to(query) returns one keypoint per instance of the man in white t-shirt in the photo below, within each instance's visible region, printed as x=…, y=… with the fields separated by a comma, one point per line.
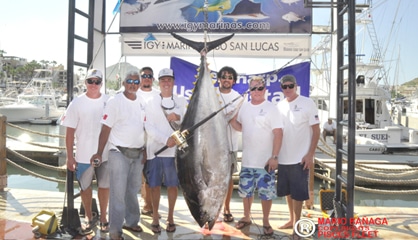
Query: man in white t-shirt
x=82, y=122
x=123, y=130
x=300, y=137
x=329, y=129
x=163, y=117
x=147, y=93
x=227, y=77
x=261, y=127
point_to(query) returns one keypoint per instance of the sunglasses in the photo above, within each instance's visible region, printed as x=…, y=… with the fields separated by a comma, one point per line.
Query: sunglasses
x=147, y=76
x=90, y=81
x=291, y=86
x=229, y=78
x=134, y=81
x=257, y=88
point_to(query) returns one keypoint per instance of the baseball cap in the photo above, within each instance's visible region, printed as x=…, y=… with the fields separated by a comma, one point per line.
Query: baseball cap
x=94, y=73
x=288, y=78
x=166, y=72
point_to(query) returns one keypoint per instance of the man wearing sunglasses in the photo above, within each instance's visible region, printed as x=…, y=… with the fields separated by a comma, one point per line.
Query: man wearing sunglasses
x=82, y=122
x=147, y=92
x=261, y=127
x=163, y=116
x=300, y=138
x=123, y=130
x=227, y=77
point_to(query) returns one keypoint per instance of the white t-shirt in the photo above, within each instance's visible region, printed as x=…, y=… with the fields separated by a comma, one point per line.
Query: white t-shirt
x=157, y=127
x=258, y=122
x=126, y=118
x=299, y=115
x=148, y=96
x=226, y=98
x=329, y=127
x=84, y=115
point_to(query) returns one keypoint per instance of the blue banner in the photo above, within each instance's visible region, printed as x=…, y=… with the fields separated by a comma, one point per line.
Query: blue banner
x=186, y=72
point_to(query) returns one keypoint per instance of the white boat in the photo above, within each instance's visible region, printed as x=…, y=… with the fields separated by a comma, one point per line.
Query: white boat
x=41, y=121
x=373, y=116
x=37, y=100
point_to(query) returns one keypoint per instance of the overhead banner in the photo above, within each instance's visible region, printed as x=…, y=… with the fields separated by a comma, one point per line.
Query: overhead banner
x=223, y=16
x=185, y=75
x=241, y=45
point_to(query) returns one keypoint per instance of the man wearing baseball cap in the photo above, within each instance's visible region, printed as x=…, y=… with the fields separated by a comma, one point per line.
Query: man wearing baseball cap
x=163, y=117
x=82, y=122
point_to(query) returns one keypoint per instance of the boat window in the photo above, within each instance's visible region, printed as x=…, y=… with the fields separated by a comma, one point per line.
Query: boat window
x=369, y=111
x=322, y=105
x=378, y=107
x=359, y=106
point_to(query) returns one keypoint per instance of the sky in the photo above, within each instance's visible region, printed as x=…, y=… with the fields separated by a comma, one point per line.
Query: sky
x=37, y=30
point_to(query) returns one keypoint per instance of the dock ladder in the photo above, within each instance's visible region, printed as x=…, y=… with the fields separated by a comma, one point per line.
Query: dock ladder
x=344, y=10
x=93, y=42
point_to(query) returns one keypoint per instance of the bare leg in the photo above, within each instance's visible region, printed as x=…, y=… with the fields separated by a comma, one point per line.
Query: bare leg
x=103, y=194
x=247, y=207
x=266, y=207
x=86, y=198
x=155, y=203
x=172, y=197
x=228, y=197
x=289, y=224
x=297, y=211
x=146, y=196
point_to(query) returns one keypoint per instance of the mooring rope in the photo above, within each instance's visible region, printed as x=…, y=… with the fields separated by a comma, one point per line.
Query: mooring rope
x=406, y=182
x=29, y=160
x=37, y=144
x=35, y=132
x=369, y=190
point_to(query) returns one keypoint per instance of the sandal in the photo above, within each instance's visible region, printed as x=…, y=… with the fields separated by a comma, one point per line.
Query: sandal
x=148, y=213
x=267, y=232
x=87, y=226
x=133, y=229
x=242, y=224
x=171, y=227
x=228, y=217
x=104, y=227
x=155, y=228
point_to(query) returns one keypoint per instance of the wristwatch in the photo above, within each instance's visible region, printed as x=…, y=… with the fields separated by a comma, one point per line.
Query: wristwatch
x=275, y=157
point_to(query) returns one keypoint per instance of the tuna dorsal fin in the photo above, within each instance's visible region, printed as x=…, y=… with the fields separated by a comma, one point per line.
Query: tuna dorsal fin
x=199, y=46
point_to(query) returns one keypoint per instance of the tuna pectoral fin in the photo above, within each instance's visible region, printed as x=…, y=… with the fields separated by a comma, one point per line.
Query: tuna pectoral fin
x=199, y=46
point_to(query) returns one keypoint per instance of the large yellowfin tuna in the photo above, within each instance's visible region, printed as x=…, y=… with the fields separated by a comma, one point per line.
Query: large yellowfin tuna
x=204, y=167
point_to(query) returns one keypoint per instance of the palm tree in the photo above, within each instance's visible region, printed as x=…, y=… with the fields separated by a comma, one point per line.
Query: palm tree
x=44, y=64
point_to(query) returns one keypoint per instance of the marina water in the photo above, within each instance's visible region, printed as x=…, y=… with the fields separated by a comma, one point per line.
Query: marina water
x=19, y=179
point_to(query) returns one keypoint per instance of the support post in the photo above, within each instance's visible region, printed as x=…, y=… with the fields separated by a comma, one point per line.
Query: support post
x=3, y=155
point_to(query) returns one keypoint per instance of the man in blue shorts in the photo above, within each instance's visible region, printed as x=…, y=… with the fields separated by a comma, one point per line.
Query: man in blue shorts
x=82, y=120
x=261, y=127
x=163, y=116
x=300, y=137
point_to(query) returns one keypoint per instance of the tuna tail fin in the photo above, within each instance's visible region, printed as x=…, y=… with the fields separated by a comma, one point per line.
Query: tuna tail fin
x=199, y=46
